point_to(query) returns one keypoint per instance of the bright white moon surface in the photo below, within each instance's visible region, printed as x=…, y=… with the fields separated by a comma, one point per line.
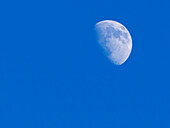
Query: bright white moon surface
x=115, y=39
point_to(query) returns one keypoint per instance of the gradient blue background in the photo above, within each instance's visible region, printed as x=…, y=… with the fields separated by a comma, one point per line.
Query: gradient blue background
x=54, y=75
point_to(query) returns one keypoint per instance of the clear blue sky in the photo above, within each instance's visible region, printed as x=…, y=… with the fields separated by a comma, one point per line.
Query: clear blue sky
x=54, y=75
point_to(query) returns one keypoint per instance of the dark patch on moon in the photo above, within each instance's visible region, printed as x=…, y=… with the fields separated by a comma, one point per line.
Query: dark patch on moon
x=122, y=27
x=114, y=32
x=111, y=31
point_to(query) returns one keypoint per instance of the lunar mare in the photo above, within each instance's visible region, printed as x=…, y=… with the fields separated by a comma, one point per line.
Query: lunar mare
x=115, y=39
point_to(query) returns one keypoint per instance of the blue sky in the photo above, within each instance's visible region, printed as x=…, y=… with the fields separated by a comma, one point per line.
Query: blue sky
x=54, y=75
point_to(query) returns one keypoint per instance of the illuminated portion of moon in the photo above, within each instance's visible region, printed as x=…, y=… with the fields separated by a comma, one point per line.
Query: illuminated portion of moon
x=115, y=39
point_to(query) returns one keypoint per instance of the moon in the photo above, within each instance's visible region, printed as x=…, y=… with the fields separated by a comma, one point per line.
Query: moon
x=115, y=39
